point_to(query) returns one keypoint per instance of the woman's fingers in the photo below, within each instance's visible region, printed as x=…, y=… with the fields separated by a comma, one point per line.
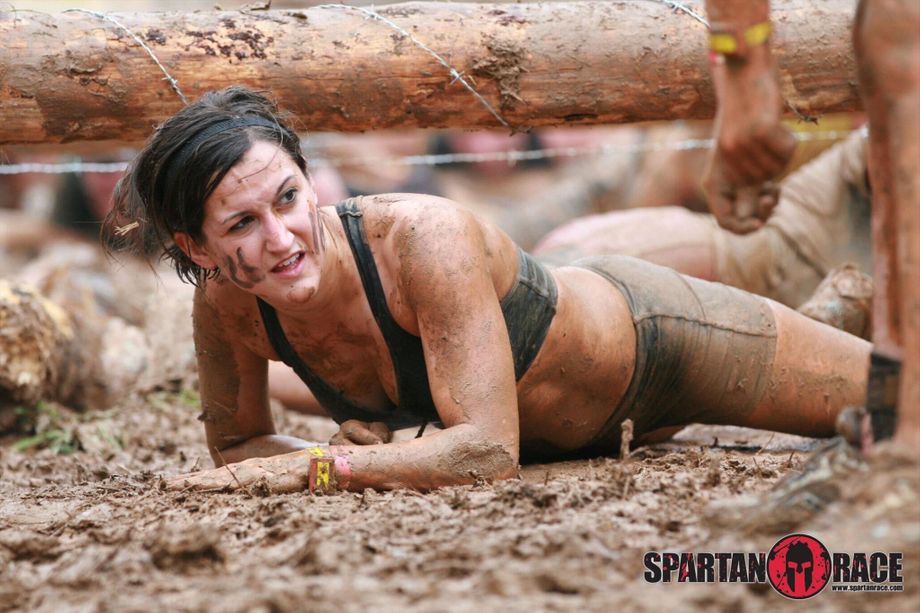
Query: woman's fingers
x=758, y=156
x=739, y=208
x=205, y=480
x=382, y=431
x=769, y=198
x=356, y=432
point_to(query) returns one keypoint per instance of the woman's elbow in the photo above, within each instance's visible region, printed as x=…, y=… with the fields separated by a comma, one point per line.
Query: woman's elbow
x=474, y=460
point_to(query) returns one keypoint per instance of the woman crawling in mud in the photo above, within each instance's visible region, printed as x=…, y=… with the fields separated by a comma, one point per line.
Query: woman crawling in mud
x=406, y=309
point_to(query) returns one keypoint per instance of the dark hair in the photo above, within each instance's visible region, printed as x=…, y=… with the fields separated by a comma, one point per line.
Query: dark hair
x=166, y=186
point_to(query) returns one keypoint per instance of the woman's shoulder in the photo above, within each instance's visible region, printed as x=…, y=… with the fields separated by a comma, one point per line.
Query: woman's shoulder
x=425, y=234
x=416, y=213
x=221, y=301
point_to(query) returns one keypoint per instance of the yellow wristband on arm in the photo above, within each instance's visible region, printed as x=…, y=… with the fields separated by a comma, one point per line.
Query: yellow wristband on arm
x=729, y=42
x=319, y=476
x=327, y=472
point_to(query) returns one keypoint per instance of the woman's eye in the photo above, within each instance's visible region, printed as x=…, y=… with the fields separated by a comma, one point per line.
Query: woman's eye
x=242, y=223
x=288, y=196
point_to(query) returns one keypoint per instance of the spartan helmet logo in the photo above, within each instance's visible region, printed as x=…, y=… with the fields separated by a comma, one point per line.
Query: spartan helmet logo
x=799, y=566
x=799, y=561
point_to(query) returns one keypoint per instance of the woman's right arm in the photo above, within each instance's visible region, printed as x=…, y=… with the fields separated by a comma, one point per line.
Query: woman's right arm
x=233, y=383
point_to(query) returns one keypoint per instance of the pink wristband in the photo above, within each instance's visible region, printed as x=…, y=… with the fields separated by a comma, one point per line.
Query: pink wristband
x=342, y=471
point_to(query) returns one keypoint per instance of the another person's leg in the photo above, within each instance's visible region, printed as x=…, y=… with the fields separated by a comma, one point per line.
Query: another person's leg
x=888, y=54
x=286, y=387
x=668, y=236
x=818, y=224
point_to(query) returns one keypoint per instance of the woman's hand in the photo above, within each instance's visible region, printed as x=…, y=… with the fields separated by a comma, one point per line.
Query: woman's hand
x=283, y=473
x=752, y=145
x=354, y=432
x=738, y=209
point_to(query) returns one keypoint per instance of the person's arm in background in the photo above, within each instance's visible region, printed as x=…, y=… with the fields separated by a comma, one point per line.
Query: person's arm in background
x=752, y=146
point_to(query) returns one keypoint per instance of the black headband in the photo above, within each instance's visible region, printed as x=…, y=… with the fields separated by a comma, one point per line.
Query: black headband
x=188, y=149
x=221, y=126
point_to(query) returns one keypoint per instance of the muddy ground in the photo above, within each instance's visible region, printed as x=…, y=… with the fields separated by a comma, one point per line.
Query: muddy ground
x=85, y=524
x=91, y=529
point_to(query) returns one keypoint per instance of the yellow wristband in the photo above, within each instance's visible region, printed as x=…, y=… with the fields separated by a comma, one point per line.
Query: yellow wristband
x=320, y=478
x=758, y=34
x=724, y=43
x=727, y=42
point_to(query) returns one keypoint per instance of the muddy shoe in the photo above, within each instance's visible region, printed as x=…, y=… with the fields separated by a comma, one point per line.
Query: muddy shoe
x=797, y=497
x=843, y=300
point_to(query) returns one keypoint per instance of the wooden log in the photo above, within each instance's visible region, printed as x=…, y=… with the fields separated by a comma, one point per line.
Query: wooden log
x=73, y=75
x=80, y=330
x=35, y=337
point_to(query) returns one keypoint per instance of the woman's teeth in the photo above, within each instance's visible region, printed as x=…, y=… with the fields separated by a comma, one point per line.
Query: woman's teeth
x=288, y=262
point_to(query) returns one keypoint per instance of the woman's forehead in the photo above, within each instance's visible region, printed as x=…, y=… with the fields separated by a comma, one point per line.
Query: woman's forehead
x=262, y=167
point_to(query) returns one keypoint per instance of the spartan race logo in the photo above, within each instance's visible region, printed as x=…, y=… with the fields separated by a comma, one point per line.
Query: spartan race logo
x=798, y=566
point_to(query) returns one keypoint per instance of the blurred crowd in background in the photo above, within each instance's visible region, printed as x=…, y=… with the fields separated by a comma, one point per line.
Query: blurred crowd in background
x=528, y=183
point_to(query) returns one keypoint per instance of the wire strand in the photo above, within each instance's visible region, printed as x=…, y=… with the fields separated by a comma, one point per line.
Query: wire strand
x=456, y=74
x=682, y=8
x=511, y=157
x=168, y=77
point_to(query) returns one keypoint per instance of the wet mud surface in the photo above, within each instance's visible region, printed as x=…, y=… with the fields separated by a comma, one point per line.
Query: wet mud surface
x=86, y=525
x=93, y=530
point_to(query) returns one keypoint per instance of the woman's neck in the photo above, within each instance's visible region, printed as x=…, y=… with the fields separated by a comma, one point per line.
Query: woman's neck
x=339, y=283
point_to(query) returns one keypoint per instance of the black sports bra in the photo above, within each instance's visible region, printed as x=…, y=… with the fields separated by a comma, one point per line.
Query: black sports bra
x=528, y=307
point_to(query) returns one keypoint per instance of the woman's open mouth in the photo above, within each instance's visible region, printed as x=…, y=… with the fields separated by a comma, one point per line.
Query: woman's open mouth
x=290, y=266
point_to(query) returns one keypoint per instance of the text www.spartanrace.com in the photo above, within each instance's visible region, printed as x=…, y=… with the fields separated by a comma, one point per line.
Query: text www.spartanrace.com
x=861, y=587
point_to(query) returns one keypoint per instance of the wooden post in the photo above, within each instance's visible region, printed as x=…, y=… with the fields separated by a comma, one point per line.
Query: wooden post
x=78, y=76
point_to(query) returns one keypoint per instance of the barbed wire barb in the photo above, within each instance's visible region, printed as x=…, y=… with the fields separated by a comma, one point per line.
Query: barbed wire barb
x=168, y=77
x=456, y=74
x=680, y=7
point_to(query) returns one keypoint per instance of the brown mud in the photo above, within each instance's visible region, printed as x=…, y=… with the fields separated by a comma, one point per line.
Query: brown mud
x=85, y=522
x=93, y=530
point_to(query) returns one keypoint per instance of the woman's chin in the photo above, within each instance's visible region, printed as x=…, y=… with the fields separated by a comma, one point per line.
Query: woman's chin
x=303, y=290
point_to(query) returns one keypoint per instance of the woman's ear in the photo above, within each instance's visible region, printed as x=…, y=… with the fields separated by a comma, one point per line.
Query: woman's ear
x=194, y=251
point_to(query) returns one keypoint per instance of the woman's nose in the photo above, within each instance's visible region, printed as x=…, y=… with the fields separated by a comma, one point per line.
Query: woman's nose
x=277, y=235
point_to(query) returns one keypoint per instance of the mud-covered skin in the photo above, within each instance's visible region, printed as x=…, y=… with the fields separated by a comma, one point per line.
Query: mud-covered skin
x=819, y=224
x=251, y=273
x=753, y=147
x=888, y=56
x=443, y=272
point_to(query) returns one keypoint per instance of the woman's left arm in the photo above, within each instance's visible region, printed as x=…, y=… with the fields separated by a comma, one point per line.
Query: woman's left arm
x=445, y=277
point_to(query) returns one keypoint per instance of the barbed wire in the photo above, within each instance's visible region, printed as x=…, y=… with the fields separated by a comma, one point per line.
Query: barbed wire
x=370, y=13
x=62, y=168
x=512, y=157
x=456, y=74
x=168, y=77
x=682, y=8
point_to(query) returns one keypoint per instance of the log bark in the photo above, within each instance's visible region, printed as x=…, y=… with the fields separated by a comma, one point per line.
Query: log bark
x=73, y=76
x=81, y=330
x=34, y=333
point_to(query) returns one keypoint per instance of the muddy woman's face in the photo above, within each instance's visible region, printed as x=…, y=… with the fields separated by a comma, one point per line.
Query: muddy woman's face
x=262, y=228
